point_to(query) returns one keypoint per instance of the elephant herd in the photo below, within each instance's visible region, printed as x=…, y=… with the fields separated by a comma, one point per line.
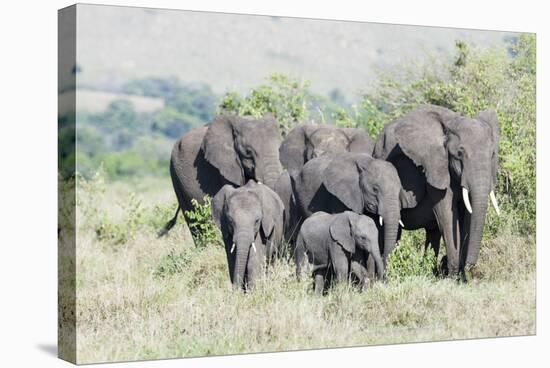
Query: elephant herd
x=339, y=199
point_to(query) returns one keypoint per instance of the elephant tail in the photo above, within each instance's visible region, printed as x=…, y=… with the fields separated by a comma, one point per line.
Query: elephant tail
x=169, y=225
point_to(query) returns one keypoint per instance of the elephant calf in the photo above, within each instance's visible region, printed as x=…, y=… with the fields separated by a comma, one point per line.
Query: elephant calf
x=336, y=244
x=251, y=221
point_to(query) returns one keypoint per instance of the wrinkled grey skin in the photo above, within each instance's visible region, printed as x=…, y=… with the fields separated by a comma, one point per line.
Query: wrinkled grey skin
x=250, y=214
x=229, y=150
x=283, y=187
x=437, y=152
x=339, y=244
x=308, y=141
x=352, y=181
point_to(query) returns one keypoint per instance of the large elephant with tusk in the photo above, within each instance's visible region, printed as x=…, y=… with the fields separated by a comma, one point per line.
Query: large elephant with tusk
x=447, y=164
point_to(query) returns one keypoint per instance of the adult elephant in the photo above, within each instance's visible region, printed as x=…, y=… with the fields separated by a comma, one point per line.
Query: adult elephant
x=308, y=141
x=229, y=150
x=357, y=182
x=447, y=164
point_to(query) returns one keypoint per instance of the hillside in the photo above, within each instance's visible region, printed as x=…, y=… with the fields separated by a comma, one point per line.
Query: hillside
x=229, y=51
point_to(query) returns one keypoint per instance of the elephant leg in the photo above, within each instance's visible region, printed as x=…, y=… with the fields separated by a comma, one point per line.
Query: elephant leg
x=433, y=239
x=341, y=268
x=256, y=265
x=447, y=217
x=371, y=267
x=319, y=281
x=360, y=271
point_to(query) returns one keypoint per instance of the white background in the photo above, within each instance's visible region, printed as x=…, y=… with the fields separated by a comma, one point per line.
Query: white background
x=28, y=170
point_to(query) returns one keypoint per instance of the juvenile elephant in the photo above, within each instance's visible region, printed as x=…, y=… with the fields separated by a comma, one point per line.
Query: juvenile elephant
x=308, y=141
x=229, y=150
x=447, y=164
x=356, y=182
x=251, y=221
x=339, y=244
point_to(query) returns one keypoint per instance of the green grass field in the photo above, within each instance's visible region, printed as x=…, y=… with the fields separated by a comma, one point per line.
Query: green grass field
x=139, y=297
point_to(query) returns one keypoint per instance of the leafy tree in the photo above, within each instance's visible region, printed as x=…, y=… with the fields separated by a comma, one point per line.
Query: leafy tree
x=286, y=98
x=173, y=123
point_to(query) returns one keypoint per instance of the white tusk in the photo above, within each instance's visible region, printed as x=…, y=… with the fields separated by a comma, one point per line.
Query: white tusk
x=381, y=220
x=466, y=199
x=254, y=247
x=401, y=223
x=233, y=248
x=494, y=202
x=259, y=182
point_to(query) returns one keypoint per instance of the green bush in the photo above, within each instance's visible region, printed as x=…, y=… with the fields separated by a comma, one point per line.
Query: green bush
x=89, y=193
x=201, y=225
x=121, y=232
x=409, y=259
x=173, y=263
x=157, y=216
x=284, y=97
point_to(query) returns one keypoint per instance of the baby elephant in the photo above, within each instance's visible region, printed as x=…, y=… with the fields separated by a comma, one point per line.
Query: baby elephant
x=251, y=221
x=338, y=244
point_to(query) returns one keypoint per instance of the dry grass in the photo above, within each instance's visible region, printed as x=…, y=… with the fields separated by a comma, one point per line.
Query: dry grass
x=127, y=309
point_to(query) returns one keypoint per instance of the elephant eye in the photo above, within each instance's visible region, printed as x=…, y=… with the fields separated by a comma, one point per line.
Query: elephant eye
x=460, y=153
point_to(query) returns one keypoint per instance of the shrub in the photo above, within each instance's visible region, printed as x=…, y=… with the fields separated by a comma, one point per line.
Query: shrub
x=409, y=260
x=89, y=193
x=157, y=216
x=120, y=233
x=173, y=263
x=284, y=97
x=200, y=224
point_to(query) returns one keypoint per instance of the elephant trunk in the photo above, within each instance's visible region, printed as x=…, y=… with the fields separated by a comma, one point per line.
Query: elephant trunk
x=478, y=199
x=243, y=242
x=391, y=228
x=268, y=171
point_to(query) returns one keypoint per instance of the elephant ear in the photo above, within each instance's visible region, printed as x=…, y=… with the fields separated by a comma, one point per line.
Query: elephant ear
x=340, y=231
x=341, y=179
x=490, y=118
x=272, y=209
x=412, y=179
x=360, y=141
x=218, y=203
x=421, y=136
x=219, y=149
x=293, y=148
x=386, y=145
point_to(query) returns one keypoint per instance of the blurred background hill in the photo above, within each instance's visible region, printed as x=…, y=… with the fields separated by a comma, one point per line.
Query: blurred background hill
x=231, y=51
